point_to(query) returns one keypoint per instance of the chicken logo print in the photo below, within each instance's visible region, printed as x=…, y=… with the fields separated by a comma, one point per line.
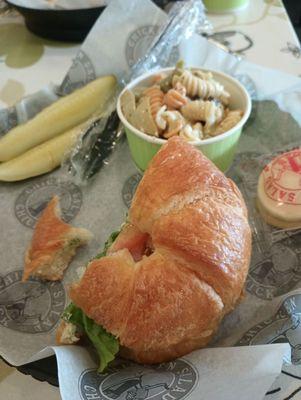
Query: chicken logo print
x=31, y=307
x=138, y=41
x=129, y=188
x=35, y=197
x=275, y=270
x=81, y=72
x=129, y=381
x=283, y=327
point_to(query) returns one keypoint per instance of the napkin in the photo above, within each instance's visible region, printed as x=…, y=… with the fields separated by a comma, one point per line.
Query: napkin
x=244, y=373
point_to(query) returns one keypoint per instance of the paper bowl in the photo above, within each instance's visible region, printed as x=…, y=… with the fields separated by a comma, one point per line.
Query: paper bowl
x=225, y=6
x=219, y=149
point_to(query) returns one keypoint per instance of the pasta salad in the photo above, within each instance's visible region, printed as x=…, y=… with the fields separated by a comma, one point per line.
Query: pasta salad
x=185, y=102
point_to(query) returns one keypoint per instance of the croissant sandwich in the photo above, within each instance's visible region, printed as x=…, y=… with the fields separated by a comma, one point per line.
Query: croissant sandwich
x=162, y=285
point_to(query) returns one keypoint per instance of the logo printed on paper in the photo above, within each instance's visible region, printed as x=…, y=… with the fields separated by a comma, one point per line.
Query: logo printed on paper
x=138, y=42
x=130, y=381
x=283, y=327
x=129, y=188
x=282, y=178
x=81, y=72
x=31, y=307
x=35, y=197
x=280, y=271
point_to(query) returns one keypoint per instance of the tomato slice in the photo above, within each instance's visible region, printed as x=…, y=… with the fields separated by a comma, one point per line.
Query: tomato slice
x=134, y=240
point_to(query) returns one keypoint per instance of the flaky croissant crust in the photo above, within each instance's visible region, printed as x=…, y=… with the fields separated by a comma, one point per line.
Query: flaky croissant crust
x=179, y=266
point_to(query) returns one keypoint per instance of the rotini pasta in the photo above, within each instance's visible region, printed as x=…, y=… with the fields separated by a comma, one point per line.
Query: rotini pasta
x=232, y=119
x=191, y=133
x=202, y=74
x=209, y=112
x=202, y=88
x=160, y=119
x=169, y=121
x=156, y=96
x=184, y=102
x=174, y=127
x=175, y=98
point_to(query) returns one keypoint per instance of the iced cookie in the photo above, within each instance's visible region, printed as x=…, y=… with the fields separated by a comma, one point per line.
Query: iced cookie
x=279, y=191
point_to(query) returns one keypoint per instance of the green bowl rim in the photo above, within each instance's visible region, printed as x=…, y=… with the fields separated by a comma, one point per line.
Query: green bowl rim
x=222, y=10
x=153, y=139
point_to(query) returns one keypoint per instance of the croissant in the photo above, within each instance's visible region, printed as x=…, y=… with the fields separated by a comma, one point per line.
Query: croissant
x=53, y=245
x=178, y=266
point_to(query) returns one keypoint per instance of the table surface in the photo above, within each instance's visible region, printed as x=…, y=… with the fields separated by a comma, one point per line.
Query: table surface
x=262, y=33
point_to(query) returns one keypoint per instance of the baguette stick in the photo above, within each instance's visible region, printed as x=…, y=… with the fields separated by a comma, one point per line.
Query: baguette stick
x=64, y=114
x=41, y=159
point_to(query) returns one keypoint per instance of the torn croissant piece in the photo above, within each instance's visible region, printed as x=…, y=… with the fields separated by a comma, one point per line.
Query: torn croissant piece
x=53, y=245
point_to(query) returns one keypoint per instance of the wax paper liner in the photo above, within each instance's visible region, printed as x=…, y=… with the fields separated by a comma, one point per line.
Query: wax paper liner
x=29, y=312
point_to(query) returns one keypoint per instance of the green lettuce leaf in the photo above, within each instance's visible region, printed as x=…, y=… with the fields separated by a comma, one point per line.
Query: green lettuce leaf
x=108, y=243
x=107, y=345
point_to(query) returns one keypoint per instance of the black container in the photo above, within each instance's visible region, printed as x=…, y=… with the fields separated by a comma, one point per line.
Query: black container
x=62, y=25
